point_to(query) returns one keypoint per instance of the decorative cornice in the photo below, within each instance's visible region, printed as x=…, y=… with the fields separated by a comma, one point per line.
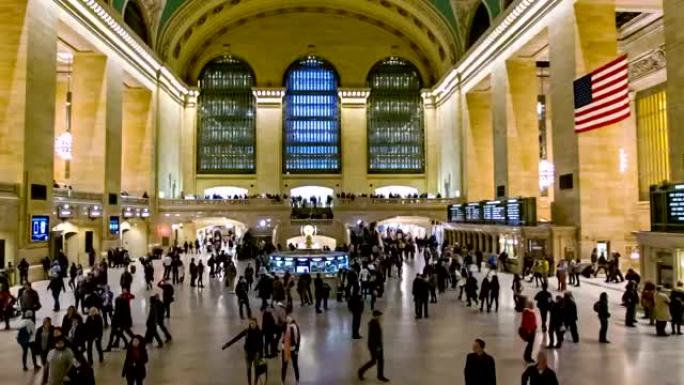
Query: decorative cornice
x=648, y=63
x=354, y=97
x=269, y=97
x=112, y=32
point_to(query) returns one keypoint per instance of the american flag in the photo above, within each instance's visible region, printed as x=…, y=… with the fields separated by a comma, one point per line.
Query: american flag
x=602, y=97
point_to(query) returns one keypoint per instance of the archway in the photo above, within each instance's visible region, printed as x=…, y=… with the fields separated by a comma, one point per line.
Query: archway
x=225, y=192
x=479, y=25
x=133, y=17
x=402, y=191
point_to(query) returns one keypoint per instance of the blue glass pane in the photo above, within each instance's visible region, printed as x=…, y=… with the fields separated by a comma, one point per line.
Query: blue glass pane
x=226, y=131
x=311, y=132
x=395, y=119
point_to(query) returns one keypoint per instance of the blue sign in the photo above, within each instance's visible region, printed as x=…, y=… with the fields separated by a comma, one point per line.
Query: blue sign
x=114, y=225
x=40, y=228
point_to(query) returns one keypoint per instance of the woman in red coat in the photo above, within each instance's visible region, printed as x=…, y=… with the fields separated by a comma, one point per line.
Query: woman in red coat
x=528, y=330
x=136, y=358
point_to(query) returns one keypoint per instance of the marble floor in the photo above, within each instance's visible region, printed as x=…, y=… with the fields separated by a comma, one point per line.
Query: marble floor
x=417, y=352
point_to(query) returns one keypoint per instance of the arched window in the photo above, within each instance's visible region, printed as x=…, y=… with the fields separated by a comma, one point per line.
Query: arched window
x=226, y=137
x=479, y=25
x=395, y=118
x=133, y=17
x=311, y=122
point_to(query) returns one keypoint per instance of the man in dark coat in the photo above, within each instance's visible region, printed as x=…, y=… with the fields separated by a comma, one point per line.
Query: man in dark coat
x=480, y=368
x=356, y=307
x=539, y=373
x=421, y=294
x=155, y=319
x=375, y=347
x=121, y=320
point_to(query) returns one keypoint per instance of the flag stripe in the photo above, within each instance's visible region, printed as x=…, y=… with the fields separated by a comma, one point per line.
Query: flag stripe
x=617, y=119
x=600, y=113
x=602, y=97
x=602, y=118
x=602, y=102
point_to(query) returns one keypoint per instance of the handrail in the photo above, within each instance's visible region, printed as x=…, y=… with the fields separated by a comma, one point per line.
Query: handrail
x=9, y=188
x=81, y=195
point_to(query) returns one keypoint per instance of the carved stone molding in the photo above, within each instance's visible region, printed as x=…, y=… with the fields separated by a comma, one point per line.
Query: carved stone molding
x=652, y=61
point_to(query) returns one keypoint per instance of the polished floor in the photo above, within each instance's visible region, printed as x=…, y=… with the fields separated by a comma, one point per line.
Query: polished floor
x=417, y=352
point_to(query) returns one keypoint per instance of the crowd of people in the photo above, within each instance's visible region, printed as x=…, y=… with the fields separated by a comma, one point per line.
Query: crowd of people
x=68, y=350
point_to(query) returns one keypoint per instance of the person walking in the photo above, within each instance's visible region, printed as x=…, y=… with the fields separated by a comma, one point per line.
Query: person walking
x=375, y=347
x=484, y=292
x=60, y=360
x=677, y=308
x=471, y=289
x=662, y=312
x=121, y=320
x=421, y=295
x=253, y=347
x=155, y=318
x=356, y=305
x=494, y=288
x=200, y=274
x=193, y=272
x=134, y=370
x=528, y=330
x=231, y=273
x=242, y=293
x=480, y=368
x=539, y=373
x=26, y=337
x=56, y=286
x=544, y=300
x=290, y=349
x=601, y=308
x=556, y=332
x=167, y=296
x=44, y=340
x=94, y=327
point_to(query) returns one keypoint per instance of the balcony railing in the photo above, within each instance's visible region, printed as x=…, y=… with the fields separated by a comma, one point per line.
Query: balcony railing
x=9, y=188
x=68, y=194
x=137, y=201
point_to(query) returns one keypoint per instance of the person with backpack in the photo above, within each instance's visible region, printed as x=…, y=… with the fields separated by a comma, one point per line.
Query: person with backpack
x=26, y=337
x=601, y=309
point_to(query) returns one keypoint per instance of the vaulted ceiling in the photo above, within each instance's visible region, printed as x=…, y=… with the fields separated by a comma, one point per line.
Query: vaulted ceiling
x=270, y=34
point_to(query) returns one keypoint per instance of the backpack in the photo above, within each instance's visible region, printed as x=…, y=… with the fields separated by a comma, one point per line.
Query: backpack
x=23, y=337
x=597, y=307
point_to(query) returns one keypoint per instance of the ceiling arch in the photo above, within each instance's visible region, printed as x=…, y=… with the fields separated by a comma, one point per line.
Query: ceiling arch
x=199, y=30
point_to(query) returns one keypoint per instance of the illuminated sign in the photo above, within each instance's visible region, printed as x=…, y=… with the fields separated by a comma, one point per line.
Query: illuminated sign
x=40, y=228
x=65, y=211
x=511, y=212
x=114, y=225
x=94, y=212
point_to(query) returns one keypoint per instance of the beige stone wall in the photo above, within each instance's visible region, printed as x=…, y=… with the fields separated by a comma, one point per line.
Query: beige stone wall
x=89, y=119
x=674, y=39
x=60, y=127
x=137, y=173
x=169, y=120
x=354, y=146
x=479, y=151
x=450, y=145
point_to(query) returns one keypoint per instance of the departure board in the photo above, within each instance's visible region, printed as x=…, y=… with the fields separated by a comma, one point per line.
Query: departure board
x=456, y=213
x=511, y=212
x=667, y=208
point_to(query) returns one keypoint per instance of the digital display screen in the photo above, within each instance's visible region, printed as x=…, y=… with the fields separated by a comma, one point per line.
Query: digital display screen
x=94, y=212
x=511, y=212
x=65, y=212
x=40, y=228
x=114, y=225
x=457, y=213
x=675, y=205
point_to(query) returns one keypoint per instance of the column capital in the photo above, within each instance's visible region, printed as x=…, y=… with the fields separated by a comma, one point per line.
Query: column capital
x=429, y=100
x=351, y=97
x=269, y=96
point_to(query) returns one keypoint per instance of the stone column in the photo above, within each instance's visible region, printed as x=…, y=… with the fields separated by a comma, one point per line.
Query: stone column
x=432, y=144
x=89, y=122
x=479, y=147
x=673, y=13
x=28, y=66
x=583, y=37
x=136, y=162
x=514, y=103
x=354, y=139
x=189, y=144
x=111, y=178
x=269, y=147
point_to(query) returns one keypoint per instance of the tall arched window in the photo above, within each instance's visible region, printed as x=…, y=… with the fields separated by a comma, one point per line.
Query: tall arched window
x=395, y=118
x=133, y=17
x=226, y=137
x=311, y=122
x=479, y=25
